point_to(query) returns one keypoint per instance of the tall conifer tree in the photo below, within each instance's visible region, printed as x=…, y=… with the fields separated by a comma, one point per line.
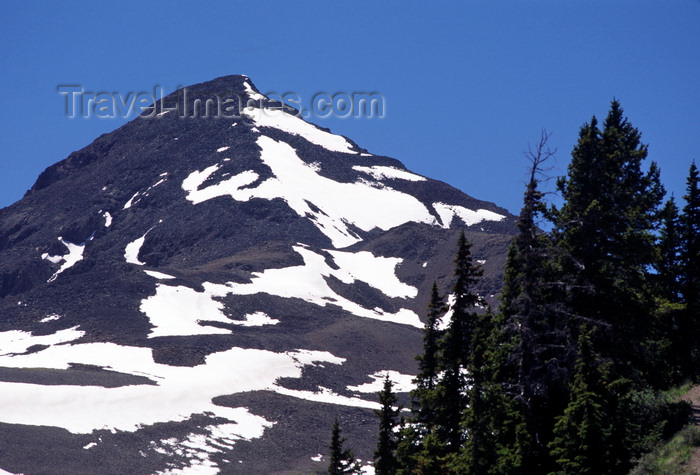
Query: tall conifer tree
x=690, y=242
x=426, y=380
x=607, y=226
x=582, y=432
x=668, y=266
x=342, y=460
x=690, y=267
x=456, y=348
x=534, y=331
x=385, y=456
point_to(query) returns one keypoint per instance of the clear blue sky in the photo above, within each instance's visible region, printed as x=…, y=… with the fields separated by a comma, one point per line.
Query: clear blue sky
x=467, y=84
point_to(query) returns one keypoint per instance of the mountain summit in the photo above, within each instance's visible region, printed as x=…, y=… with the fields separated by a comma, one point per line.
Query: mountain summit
x=208, y=291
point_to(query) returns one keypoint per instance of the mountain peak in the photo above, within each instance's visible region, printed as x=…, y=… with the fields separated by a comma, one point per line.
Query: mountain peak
x=188, y=283
x=234, y=84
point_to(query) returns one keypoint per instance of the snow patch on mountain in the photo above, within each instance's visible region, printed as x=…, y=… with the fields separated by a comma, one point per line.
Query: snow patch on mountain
x=308, y=282
x=183, y=311
x=443, y=322
x=256, y=319
x=300, y=186
x=129, y=203
x=313, y=358
x=50, y=318
x=402, y=383
x=256, y=96
x=468, y=216
x=381, y=172
x=295, y=125
x=131, y=251
x=179, y=393
x=75, y=255
x=326, y=396
x=17, y=341
x=231, y=187
x=197, y=448
x=134, y=200
x=158, y=275
x=379, y=272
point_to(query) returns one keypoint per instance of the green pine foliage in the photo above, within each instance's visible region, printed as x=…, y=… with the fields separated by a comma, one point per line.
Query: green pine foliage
x=597, y=318
x=455, y=349
x=492, y=421
x=385, y=456
x=690, y=269
x=342, y=461
x=690, y=236
x=582, y=433
x=607, y=229
x=668, y=263
x=428, y=361
x=535, y=334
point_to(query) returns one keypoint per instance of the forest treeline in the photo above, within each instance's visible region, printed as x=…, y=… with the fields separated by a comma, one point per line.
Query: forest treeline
x=597, y=318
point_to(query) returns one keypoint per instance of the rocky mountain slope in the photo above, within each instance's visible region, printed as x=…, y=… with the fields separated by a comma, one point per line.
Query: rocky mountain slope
x=206, y=294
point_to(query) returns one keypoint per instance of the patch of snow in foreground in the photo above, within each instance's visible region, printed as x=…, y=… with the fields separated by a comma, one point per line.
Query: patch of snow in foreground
x=403, y=383
x=469, y=216
x=295, y=125
x=332, y=206
x=179, y=393
x=379, y=172
x=75, y=254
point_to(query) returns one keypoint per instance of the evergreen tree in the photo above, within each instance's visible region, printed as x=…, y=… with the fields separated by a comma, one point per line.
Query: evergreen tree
x=582, y=432
x=491, y=421
x=668, y=266
x=385, y=456
x=342, y=461
x=417, y=447
x=669, y=345
x=690, y=242
x=426, y=380
x=534, y=333
x=606, y=226
x=455, y=349
x=690, y=267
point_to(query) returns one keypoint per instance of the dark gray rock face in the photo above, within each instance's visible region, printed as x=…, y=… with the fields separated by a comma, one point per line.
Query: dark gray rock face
x=210, y=292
